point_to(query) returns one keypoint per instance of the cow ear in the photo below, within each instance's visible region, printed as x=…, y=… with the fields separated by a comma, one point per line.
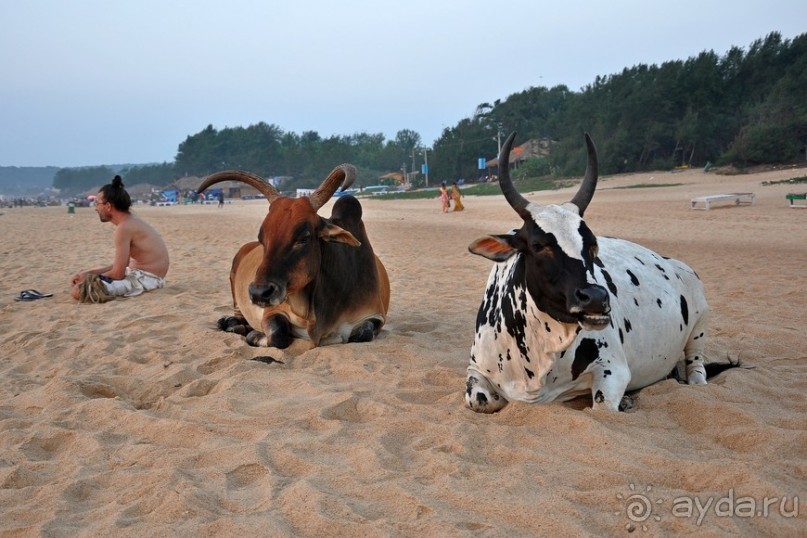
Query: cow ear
x=494, y=247
x=333, y=233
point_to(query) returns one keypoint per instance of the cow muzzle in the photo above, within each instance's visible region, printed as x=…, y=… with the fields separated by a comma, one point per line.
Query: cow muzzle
x=268, y=294
x=592, y=307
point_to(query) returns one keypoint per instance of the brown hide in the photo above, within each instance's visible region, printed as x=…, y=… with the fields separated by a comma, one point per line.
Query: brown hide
x=297, y=306
x=284, y=272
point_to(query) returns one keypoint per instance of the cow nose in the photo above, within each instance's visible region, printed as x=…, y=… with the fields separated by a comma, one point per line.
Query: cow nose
x=592, y=299
x=265, y=294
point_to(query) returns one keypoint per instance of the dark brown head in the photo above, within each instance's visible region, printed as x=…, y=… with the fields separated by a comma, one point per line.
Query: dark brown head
x=291, y=234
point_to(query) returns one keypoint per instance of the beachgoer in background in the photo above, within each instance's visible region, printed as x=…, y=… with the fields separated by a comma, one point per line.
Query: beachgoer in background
x=141, y=257
x=444, y=200
x=221, y=198
x=457, y=194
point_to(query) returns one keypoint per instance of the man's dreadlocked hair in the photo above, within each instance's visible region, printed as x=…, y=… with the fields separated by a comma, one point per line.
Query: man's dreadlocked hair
x=115, y=194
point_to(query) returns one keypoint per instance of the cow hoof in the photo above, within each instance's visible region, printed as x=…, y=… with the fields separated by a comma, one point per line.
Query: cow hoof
x=363, y=333
x=280, y=331
x=278, y=340
x=257, y=339
x=627, y=403
x=696, y=378
x=481, y=397
x=233, y=324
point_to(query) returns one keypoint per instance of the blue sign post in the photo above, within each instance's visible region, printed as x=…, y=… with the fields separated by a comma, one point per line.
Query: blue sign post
x=481, y=163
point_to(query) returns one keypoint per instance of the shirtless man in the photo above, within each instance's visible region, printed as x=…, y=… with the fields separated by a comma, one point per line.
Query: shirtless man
x=141, y=258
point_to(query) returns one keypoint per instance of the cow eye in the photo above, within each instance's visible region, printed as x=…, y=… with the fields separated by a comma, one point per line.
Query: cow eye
x=539, y=248
x=303, y=239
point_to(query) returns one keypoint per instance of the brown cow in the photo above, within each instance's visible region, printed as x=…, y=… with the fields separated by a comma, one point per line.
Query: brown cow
x=307, y=276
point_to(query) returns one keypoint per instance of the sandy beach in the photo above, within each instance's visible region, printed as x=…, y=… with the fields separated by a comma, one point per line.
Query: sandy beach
x=138, y=418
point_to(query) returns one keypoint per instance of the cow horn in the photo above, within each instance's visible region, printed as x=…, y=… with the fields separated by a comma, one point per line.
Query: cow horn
x=267, y=189
x=586, y=190
x=344, y=175
x=514, y=198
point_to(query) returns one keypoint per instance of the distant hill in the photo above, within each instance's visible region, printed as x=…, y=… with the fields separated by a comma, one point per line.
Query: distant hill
x=26, y=180
x=30, y=181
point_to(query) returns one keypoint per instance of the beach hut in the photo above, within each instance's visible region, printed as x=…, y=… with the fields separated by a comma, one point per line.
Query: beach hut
x=143, y=192
x=535, y=147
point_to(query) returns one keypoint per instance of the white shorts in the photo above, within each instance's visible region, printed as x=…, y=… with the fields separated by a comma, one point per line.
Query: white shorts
x=134, y=283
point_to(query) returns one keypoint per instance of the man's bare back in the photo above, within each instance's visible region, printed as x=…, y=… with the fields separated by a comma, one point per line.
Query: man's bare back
x=147, y=250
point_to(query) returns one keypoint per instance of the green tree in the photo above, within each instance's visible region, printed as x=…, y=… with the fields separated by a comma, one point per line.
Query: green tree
x=74, y=181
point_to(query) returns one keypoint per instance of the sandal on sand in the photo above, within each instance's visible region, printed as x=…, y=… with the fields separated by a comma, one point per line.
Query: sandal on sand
x=31, y=295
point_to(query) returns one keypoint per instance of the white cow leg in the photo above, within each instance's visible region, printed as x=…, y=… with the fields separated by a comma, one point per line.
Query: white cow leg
x=608, y=386
x=480, y=395
x=693, y=353
x=696, y=372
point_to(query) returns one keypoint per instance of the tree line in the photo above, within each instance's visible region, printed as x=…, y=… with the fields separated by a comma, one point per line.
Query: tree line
x=745, y=107
x=742, y=108
x=300, y=160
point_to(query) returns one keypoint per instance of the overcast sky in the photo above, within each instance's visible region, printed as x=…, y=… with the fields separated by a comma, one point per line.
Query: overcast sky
x=91, y=82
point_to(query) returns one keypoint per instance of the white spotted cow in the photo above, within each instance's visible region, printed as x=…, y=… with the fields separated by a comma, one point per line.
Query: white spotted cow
x=566, y=313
